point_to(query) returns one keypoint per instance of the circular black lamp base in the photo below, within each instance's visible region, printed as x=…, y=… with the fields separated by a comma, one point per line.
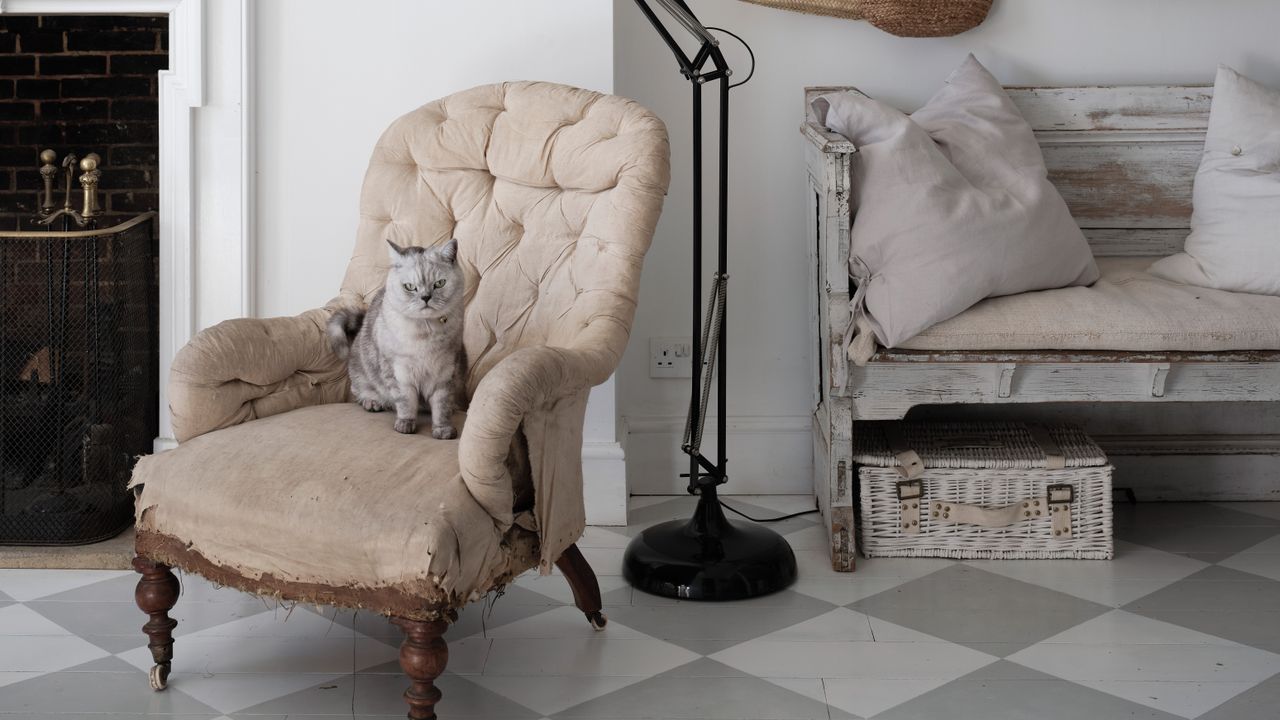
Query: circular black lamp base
x=709, y=557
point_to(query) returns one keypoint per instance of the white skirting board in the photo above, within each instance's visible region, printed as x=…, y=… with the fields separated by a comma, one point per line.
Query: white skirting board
x=604, y=483
x=767, y=455
x=1218, y=477
x=773, y=455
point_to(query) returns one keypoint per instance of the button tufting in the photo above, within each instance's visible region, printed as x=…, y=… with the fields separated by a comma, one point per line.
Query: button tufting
x=1237, y=151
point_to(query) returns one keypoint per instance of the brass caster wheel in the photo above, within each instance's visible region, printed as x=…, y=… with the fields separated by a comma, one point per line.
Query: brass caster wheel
x=159, y=677
x=597, y=620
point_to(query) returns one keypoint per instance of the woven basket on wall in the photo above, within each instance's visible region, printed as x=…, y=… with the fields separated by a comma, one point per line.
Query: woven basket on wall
x=904, y=18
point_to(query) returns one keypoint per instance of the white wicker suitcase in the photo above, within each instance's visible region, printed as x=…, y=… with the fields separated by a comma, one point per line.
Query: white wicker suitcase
x=982, y=490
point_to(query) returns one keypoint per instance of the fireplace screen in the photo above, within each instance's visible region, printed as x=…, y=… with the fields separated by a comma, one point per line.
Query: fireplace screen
x=78, y=378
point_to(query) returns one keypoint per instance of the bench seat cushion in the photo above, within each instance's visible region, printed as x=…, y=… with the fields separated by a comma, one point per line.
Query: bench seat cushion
x=1127, y=309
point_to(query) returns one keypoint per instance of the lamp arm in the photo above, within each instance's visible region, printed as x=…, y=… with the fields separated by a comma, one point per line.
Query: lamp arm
x=683, y=15
x=708, y=45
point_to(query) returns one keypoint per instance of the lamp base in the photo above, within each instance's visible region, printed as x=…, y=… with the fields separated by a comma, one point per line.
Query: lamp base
x=709, y=557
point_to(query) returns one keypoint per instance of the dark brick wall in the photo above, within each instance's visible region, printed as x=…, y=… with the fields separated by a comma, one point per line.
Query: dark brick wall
x=80, y=83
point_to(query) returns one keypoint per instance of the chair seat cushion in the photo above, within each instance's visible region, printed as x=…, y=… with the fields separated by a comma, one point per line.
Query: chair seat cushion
x=1127, y=309
x=328, y=504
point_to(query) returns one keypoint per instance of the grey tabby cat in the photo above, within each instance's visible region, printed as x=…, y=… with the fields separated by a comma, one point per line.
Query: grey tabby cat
x=408, y=344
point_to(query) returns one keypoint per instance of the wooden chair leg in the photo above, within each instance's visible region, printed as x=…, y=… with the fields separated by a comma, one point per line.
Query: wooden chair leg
x=586, y=589
x=156, y=594
x=423, y=656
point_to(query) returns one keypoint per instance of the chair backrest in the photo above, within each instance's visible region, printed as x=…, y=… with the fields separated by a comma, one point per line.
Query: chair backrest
x=1123, y=157
x=553, y=193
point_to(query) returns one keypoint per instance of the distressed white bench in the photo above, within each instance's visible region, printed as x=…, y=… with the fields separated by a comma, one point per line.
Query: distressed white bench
x=1124, y=159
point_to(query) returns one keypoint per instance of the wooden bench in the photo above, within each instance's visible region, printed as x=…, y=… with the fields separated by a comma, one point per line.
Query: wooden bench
x=1124, y=159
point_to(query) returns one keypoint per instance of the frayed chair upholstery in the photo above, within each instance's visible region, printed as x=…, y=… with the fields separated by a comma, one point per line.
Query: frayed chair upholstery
x=281, y=487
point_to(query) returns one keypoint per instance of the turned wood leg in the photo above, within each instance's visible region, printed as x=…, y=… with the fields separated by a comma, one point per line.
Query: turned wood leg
x=586, y=589
x=156, y=594
x=423, y=656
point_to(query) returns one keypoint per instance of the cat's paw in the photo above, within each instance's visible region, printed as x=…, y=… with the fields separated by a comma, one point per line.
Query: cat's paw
x=406, y=425
x=444, y=432
x=372, y=406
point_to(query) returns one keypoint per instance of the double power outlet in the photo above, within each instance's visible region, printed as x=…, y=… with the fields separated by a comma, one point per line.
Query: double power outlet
x=670, y=357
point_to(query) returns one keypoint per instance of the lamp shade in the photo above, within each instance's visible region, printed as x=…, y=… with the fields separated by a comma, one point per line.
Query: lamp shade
x=904, y=18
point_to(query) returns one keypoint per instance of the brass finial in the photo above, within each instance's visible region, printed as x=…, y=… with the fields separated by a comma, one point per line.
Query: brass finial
x=48, y=173
x=89, y=181
x=90, y=167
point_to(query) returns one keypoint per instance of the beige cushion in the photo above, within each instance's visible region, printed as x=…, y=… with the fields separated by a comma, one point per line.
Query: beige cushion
x=327, y=492
x=553, y=194
x=952, y=205
x=1235, y=224
x=1127, y=309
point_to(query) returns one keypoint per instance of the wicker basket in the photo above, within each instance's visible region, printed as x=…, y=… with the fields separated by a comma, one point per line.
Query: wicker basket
x=904, y=18
x=982, y=490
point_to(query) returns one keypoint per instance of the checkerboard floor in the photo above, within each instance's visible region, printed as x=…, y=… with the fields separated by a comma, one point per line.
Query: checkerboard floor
x=1185, y=623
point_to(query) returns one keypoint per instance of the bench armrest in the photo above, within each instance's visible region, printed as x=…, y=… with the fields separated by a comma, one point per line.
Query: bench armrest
x=825, y=140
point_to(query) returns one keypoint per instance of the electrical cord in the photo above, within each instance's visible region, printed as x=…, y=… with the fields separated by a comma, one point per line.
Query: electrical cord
x=752, y=55
x=765, y=520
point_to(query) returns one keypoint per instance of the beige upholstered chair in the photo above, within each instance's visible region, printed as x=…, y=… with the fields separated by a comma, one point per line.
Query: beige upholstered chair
x=283, y=488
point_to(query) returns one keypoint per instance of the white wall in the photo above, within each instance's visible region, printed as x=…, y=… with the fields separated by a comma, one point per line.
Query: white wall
x=331, y=75
x=1037, y=42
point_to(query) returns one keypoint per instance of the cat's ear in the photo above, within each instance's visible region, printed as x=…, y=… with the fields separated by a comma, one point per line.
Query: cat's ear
x=394, y=251
x=449, y=251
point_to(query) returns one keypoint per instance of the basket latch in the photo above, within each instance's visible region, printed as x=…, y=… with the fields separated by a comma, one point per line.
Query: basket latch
x=1060, y=497
x=909, y=497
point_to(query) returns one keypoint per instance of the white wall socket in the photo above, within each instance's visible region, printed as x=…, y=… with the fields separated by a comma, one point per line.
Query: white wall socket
x=670, y=357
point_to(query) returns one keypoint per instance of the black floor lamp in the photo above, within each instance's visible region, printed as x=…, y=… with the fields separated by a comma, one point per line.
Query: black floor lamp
x=707, y=557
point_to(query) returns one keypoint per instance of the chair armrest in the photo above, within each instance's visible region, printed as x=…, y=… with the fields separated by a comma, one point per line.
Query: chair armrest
x=243, y=369
x=546, y=389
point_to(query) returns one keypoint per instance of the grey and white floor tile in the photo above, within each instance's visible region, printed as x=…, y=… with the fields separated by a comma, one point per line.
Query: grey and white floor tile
x=1184, y=623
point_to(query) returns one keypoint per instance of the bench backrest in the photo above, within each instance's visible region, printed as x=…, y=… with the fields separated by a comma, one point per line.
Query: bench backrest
x=1123, y=157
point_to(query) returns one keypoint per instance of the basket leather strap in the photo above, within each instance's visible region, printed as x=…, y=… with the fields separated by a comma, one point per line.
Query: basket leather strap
x=1060, y=498
x=1056, y=504
x=1054, y=458
x=911, y=487
x=910, y=465
x=949, y=513
x=910, y=498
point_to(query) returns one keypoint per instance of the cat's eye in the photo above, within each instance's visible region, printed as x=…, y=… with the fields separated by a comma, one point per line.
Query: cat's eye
x=410, y=287
x=439, y=284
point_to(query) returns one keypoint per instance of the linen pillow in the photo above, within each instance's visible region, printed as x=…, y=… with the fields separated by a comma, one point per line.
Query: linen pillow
x=1235, y=219
x=952, y=205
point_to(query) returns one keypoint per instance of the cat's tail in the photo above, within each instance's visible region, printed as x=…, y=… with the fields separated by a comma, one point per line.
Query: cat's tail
x=342, y=329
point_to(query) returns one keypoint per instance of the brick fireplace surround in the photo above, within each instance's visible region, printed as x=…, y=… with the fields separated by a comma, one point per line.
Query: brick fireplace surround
x=80, y=83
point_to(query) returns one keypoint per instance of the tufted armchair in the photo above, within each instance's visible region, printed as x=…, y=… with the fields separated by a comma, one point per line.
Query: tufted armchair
x=282, y=488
